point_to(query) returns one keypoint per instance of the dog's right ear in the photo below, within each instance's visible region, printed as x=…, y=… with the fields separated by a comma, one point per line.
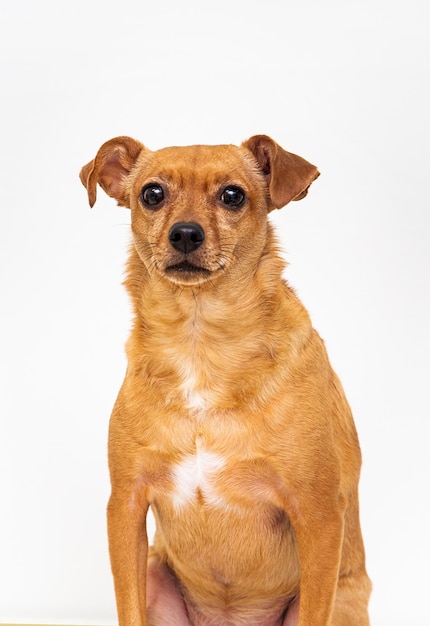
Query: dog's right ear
x=113, y=162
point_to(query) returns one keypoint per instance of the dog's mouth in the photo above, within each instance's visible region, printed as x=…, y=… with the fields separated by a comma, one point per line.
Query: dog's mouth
x=185, y=267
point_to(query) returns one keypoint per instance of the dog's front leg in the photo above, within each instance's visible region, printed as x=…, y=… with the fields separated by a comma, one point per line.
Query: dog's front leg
x=128, y=547
x=319, y=538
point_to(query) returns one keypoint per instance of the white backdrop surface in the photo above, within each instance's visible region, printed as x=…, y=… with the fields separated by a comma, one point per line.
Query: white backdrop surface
x=344, y=84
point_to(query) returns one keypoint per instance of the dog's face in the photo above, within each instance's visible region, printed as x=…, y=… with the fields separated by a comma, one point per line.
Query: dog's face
x=197, y=211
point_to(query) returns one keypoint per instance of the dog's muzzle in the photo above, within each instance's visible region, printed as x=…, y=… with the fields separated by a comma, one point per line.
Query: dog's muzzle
x=186, y=237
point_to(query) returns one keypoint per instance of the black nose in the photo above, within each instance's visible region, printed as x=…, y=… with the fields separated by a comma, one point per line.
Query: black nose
x=186, y=236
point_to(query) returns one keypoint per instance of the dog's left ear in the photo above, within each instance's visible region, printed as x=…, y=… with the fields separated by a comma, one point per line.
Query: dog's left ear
x=114, y=161
x=289, y=176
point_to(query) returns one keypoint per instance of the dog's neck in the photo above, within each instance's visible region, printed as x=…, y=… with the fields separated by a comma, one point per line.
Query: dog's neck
x=212, y=339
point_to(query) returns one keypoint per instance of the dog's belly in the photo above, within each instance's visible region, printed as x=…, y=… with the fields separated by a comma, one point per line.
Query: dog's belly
x=230, y=546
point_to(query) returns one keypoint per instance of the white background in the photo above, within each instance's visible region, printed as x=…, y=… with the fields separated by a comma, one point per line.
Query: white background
x=344, y=84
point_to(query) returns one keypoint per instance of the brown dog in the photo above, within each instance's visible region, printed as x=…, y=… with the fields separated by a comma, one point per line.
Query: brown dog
x=230, y=423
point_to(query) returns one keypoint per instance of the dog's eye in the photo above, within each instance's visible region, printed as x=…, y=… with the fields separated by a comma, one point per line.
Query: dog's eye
x=233, y=197
x=151, y=195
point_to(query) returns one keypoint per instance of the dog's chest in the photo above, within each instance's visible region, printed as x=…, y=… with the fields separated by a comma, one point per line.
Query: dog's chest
x=195, y=478
x=217, y=440
x=225, y=476
x=202, y=365
x=195, y=397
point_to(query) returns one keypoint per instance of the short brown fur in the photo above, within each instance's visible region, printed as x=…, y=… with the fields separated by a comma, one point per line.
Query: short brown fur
x=230, y=422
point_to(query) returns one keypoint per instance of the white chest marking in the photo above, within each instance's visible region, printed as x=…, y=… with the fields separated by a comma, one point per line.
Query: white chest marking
x=197, y=473
x=194, y=399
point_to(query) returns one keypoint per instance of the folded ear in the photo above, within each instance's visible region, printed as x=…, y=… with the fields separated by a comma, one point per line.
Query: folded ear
x=112, y=164
x=289, y=176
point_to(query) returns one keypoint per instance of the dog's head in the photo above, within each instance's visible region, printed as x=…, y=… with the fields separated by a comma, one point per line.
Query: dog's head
x=198, y=210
